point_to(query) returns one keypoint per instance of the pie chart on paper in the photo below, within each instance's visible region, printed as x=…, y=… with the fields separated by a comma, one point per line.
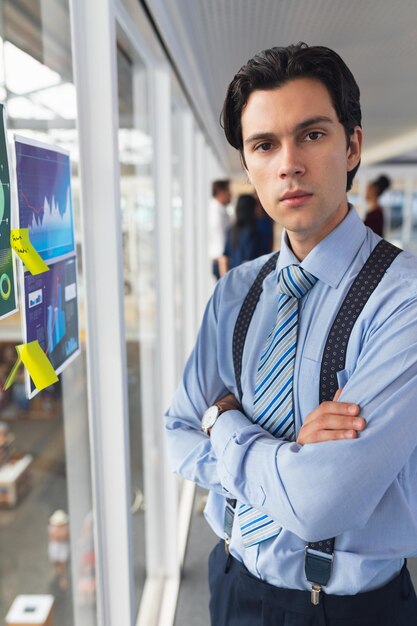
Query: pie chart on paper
x=5, y=285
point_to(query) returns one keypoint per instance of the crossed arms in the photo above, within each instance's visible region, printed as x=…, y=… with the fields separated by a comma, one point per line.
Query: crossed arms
x=340, y=472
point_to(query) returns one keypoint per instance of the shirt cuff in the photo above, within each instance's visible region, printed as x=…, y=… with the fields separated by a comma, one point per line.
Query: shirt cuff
x=226, y=426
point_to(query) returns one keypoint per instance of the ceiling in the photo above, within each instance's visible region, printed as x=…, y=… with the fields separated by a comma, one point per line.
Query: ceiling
x=209, y=40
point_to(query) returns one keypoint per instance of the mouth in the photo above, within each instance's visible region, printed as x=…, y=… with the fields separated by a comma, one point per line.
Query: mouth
x=295, y=198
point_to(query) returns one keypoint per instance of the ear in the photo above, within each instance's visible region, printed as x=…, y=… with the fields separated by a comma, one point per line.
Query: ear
x=354, y=148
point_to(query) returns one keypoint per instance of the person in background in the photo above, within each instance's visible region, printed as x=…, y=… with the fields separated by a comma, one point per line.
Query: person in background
x=374, y=217
x=265, y=225
x=244, y=241
x=58, y=546
x=219, y=221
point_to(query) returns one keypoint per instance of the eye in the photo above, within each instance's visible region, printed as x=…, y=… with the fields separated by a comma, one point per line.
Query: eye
x=263, y=147
x=313, y=135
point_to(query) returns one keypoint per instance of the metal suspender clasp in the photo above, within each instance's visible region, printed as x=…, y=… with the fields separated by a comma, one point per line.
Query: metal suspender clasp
x=315, y=594
x=229, y=514
x=227, y=545
x=318, y=567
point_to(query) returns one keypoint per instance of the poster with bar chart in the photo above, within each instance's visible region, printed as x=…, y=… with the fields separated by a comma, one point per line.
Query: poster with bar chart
x=51, y=313
x=44, y=195
x=8, y=297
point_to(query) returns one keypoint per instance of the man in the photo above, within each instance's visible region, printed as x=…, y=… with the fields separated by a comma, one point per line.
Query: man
x=301, y=471
x=219, y=221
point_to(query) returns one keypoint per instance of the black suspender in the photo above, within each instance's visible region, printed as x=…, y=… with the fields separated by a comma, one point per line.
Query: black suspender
x=319, y=555
x=334, y=355
x=245, y=316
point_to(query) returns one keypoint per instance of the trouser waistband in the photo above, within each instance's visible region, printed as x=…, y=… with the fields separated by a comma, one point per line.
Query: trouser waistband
x=335, y=606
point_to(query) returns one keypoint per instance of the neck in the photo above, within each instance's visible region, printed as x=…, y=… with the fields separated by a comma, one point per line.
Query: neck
x=302, y=243
x=299, y=250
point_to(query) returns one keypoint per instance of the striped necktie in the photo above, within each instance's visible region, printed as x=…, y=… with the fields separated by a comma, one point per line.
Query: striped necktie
x=273, y=397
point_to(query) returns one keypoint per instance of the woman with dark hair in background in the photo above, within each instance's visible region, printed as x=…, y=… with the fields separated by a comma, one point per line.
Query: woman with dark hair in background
x=265, y=225
x=244, y=241
x=375, y=215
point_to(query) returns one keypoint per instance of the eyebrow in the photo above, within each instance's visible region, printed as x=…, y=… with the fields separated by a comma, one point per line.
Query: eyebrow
x=311, y=121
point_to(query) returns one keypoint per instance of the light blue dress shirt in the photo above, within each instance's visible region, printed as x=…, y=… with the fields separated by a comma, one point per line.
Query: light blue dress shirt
x=361, y=491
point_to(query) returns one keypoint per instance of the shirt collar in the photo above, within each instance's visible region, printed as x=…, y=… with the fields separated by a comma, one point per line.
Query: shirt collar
x=330, y=259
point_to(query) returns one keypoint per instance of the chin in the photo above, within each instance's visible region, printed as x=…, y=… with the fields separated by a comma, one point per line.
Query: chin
x=299, y=225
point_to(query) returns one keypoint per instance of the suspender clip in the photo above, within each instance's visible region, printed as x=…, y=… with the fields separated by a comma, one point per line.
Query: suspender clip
x=229, y=516
x=226, y=545
x=318, y=568
x=315, y=594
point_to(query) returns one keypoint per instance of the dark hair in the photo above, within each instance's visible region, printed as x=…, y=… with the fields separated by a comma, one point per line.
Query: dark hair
x=274, y=67
x=245, y=212
x=381, y=184
x=219, y=185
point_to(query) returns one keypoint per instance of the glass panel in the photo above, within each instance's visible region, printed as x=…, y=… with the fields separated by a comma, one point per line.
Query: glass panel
x=138, y=228
x=394, y=201
x=177, y=224
x=414, y=218
x=46, y=534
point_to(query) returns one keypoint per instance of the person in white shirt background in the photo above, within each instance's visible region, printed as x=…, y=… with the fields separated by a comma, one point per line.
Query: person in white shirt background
x=219, y=221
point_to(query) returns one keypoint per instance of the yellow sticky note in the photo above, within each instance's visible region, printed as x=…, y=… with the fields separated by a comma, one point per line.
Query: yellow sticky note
x=37, y=364
x=13, y=373
x=20, y=242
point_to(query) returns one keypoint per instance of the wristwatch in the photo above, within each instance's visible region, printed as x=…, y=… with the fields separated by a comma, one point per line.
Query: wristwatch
x=212, y=414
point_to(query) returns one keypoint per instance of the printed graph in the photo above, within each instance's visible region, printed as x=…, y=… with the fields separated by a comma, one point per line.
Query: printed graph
x=55, y=324
x=52, y=312
x=35, y=298
x=45, y=204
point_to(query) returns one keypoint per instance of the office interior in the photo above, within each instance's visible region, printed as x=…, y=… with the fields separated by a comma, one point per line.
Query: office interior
x=133, y=90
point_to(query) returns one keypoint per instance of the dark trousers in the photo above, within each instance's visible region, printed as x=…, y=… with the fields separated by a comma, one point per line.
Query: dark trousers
x=240, y=599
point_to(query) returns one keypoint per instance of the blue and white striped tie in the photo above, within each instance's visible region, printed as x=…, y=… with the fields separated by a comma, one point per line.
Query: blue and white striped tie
x=273, y=397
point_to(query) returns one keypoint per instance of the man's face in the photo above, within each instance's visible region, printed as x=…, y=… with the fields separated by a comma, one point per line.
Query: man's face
x=296, y=158
x=224, y=196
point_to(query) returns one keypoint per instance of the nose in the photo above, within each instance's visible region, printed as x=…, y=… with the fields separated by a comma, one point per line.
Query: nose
x=291, y=163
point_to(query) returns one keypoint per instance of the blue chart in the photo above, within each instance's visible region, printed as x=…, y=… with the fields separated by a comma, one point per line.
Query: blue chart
x=35, y=298
x=43, y=176
x=45, y=204
x=71, y=346
x=55, y=325
x=52, y=312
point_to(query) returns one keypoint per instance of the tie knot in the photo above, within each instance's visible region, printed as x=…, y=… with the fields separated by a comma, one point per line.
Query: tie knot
x=294, y=281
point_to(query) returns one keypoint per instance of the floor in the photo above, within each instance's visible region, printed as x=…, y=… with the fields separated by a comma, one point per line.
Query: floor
x=193, y=599
x=192, y=609
x=24, y=563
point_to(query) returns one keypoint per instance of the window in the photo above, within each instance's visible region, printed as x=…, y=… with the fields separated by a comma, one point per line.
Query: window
x=138, y=231
x=48, y=439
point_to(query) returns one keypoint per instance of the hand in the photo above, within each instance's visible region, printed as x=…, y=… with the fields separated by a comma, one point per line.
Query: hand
x=229, y=403
x=331, y=421
x=223, y=262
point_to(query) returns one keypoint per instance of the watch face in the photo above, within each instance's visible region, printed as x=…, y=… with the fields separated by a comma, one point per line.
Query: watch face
x=209, y=417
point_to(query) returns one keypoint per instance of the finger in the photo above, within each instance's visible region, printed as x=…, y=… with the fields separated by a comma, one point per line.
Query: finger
x=339, y=408
x=313, y=432
x=326, y=435
x=337, y=394
x=336, y=422
x=336, y=408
